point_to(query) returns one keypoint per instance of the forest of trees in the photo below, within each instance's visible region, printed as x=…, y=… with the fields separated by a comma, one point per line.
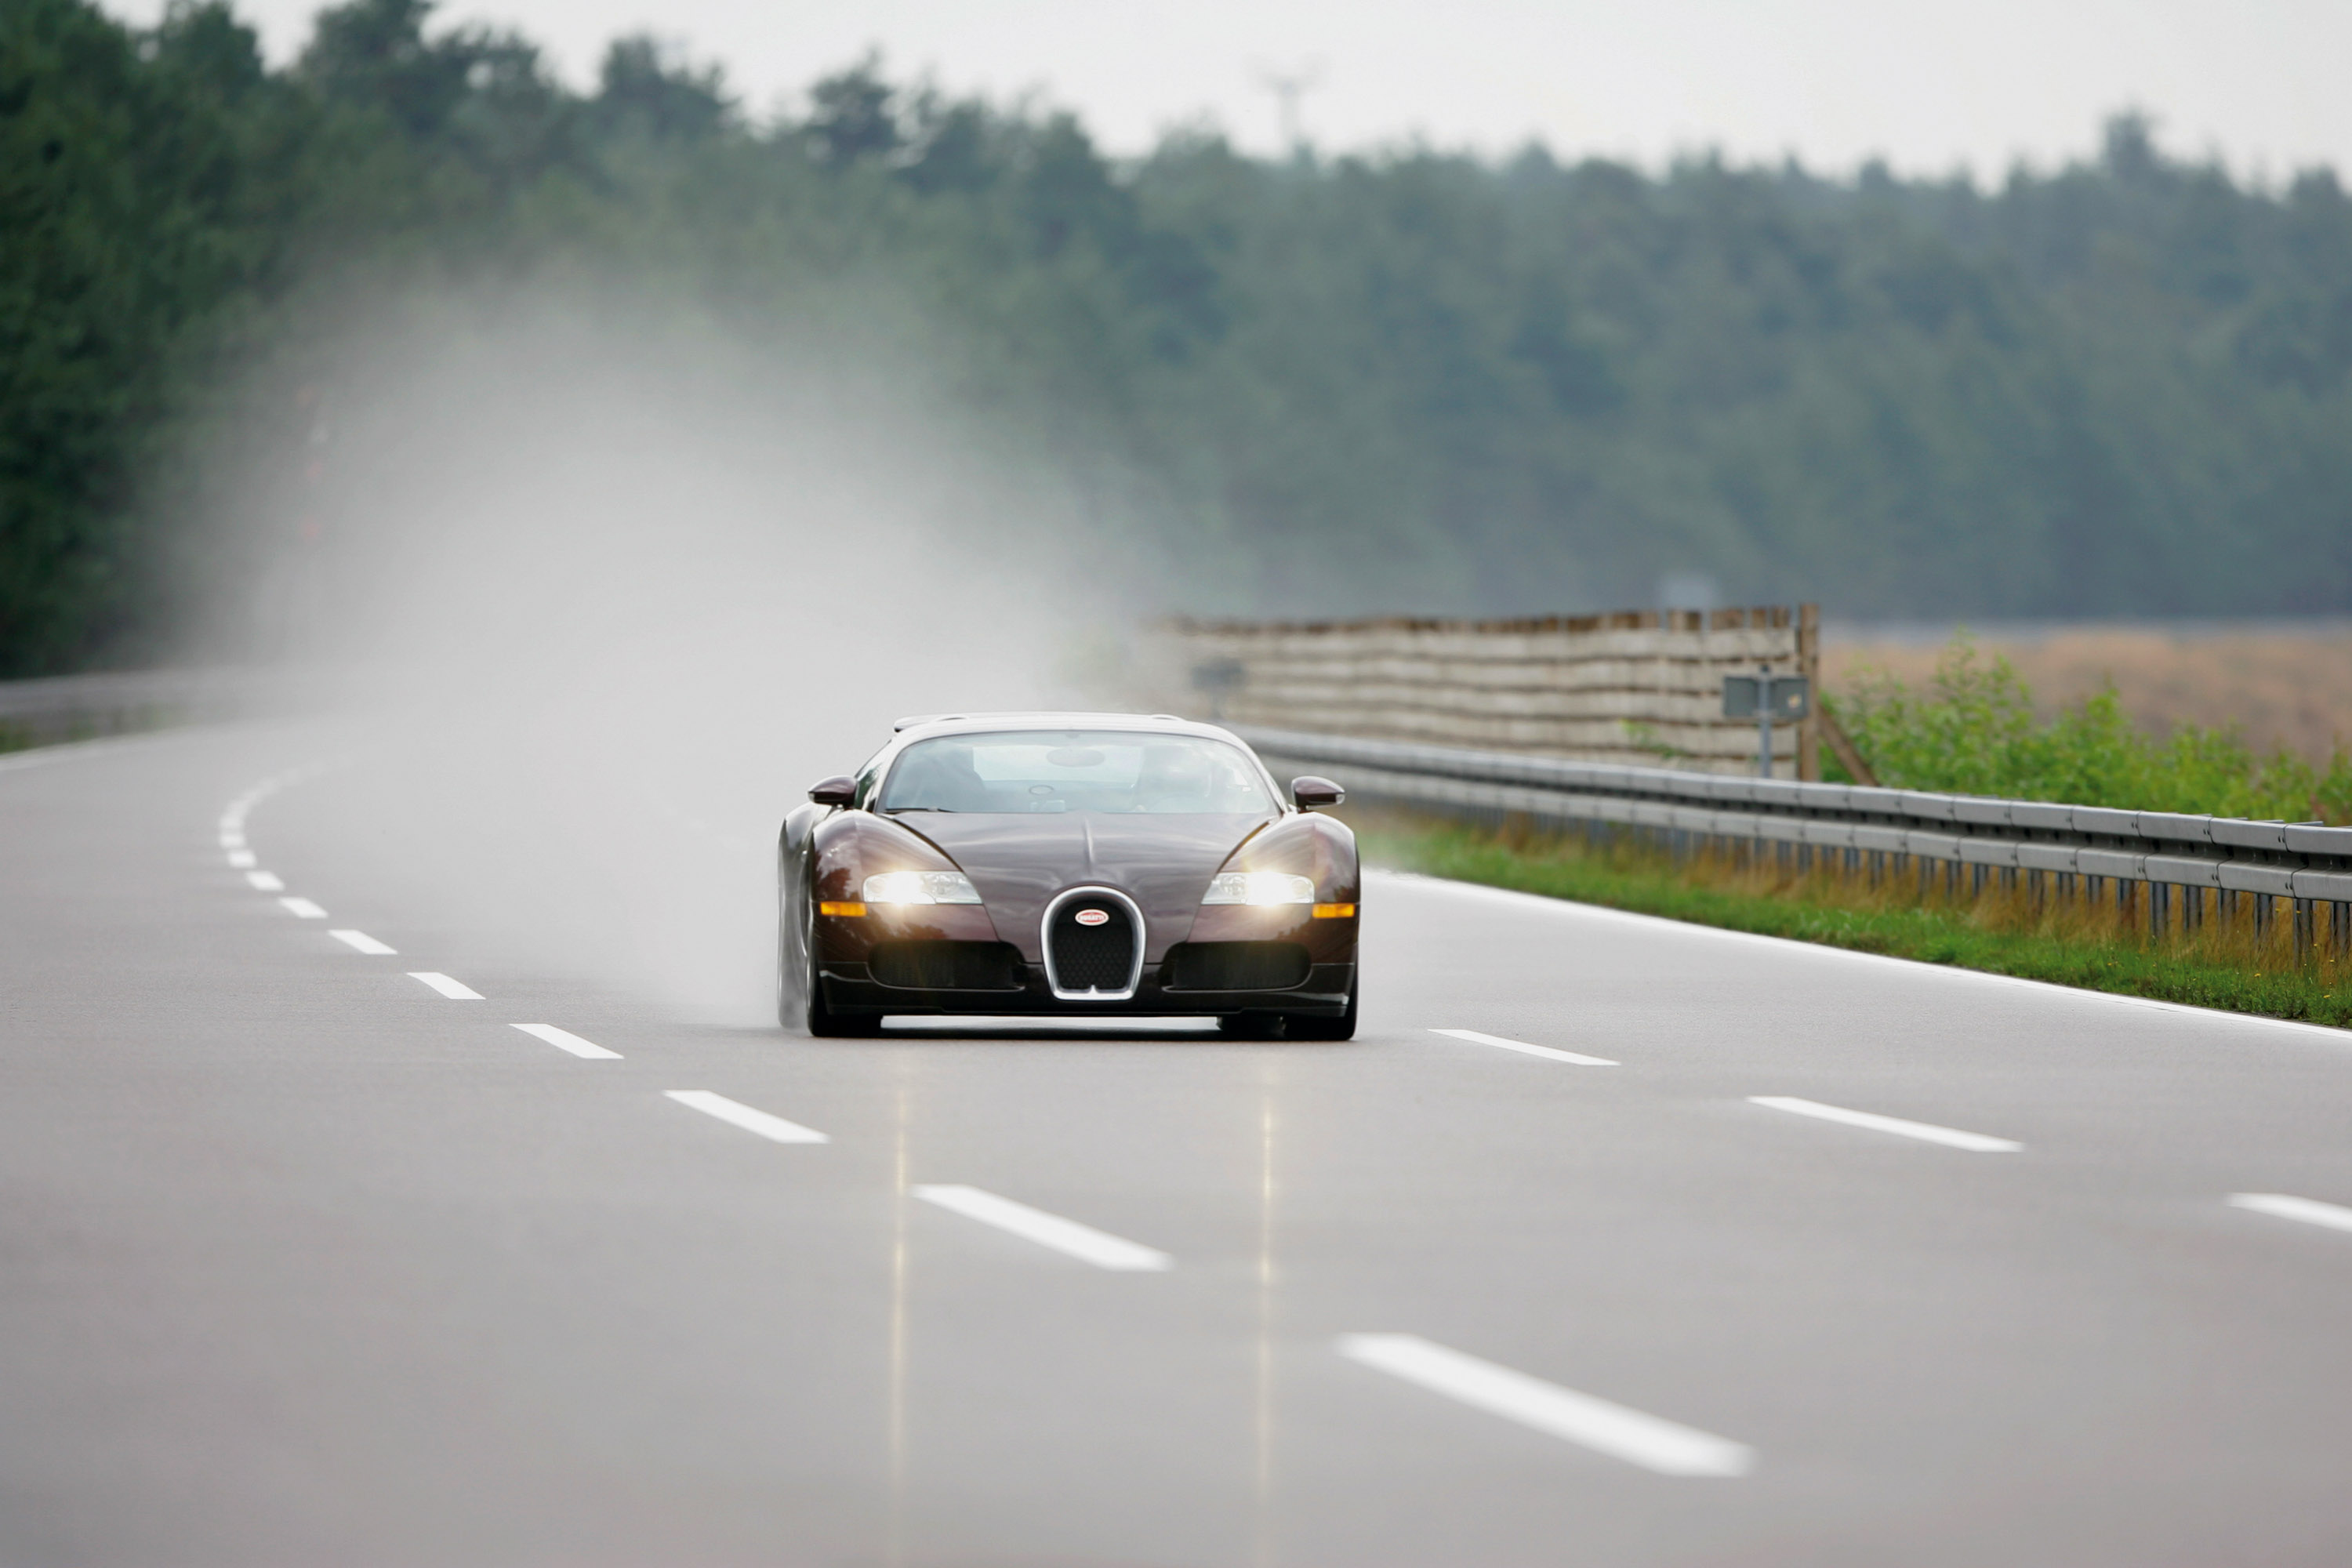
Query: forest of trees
x=1407, y=381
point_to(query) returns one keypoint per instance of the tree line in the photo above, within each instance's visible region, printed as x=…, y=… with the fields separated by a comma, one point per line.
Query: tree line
x=1406, y=380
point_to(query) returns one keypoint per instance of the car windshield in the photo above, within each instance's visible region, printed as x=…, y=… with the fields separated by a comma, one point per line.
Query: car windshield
x=1075, y=770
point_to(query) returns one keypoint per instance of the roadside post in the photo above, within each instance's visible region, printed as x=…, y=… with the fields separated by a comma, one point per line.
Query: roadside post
x=1219, y=678
x=1766, y=698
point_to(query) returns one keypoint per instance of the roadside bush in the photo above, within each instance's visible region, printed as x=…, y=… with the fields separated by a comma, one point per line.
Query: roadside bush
x=1973, y=732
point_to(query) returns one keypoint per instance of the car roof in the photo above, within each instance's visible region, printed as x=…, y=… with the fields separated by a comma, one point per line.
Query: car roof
x=924, y=725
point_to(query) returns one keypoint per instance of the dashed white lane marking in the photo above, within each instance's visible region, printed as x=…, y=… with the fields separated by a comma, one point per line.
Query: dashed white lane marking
x=267, y=881
x=363, y=943
x=457, y=991
x=1554, y=1054
x=303, y=909
x=1925, y=1132
x=735, y=1113
x=564, y=1040
x=242, y=859
x=1081, y=1241
x=1665, y=1446
x=2310, y=1210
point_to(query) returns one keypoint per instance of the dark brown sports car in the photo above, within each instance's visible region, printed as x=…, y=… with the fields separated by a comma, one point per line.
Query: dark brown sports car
x=1078, y=865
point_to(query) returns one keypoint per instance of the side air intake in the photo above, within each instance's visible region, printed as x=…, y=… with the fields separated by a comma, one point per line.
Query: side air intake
x=1237, y=966
x=915, y=966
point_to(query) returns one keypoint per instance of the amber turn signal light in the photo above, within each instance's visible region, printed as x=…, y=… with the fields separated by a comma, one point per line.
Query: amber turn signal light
x=829, y=907
x=1335, y=911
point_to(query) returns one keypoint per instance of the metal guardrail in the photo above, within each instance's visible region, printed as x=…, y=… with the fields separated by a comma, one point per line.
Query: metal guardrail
x=2305, y=862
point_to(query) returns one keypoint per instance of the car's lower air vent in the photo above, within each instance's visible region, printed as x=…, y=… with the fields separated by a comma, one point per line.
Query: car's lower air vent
x=1237, y=966
x=947, y=966
x=1090, y=945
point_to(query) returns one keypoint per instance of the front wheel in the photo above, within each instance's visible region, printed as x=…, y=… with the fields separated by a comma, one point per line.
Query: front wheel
x=804, y=1001
x=1306, y=1027
x=825, y=1023
x=788, y=968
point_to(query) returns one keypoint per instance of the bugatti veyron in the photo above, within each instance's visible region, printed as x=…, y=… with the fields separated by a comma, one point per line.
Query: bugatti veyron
x=1075, y=865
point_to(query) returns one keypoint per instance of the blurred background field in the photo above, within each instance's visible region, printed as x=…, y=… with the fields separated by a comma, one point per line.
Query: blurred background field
x=2286, y=683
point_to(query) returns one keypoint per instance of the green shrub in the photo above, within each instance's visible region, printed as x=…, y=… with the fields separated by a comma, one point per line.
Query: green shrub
x=1972, y=731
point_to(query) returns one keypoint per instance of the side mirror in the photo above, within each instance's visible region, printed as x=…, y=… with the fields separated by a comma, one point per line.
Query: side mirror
x=838, y=790
x=1310, y=791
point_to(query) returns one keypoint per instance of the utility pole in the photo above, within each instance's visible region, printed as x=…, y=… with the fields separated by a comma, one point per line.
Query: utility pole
x=1289, y=87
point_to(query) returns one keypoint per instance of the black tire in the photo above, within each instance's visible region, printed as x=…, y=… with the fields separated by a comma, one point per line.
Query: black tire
x=812, y=1014
x=801, y=997
x=827, y=1024
x=1308, y=1026
x=788, y=968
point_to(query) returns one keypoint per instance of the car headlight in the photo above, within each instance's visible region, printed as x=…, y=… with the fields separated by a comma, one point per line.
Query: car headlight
x=921, y=888
x=1259, y=887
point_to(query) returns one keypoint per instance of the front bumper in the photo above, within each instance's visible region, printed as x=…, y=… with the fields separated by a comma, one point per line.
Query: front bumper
x=851, y=988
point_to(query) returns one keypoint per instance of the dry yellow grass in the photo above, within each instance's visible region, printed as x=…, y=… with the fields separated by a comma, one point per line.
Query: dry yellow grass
x=2277, y=688
x=2201, y=925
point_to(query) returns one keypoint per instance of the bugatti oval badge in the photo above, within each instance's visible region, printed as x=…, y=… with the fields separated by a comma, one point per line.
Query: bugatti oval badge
x=1094, y=917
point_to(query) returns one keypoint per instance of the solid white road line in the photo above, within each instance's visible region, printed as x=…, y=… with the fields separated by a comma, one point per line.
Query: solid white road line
x=242, y=859
x=1665, y=1446
x=1080, y=1241
x=563, y=1040
x=1791, y=949
x=2279, y=1205
x=1925, y=1132
x=735, y=1113
x=457, y=991
x=266, y=881
x=363, y=942
x=1475, y=1038
x=303, y=909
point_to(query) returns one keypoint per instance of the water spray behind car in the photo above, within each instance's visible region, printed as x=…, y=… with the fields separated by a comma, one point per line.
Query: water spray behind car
x=600, y=595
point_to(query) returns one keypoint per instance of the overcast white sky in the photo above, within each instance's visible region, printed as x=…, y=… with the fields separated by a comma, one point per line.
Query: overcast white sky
x=1928, y=86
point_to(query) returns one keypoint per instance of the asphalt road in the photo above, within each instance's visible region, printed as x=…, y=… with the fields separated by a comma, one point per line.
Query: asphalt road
x=304, y=1261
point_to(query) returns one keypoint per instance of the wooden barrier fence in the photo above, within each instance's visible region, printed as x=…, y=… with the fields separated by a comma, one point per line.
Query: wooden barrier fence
x=1637, y=686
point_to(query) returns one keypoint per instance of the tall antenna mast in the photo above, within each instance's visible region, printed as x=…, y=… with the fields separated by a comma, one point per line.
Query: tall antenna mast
x=1288, y=87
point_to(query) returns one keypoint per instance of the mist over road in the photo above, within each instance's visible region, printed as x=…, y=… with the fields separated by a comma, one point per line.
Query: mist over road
x=399, y=1164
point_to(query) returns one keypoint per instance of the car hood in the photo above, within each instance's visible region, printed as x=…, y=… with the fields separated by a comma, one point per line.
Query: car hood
x=1019, y=862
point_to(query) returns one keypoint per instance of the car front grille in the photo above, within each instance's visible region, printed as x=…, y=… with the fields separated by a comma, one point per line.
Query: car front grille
x=1092, y=957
